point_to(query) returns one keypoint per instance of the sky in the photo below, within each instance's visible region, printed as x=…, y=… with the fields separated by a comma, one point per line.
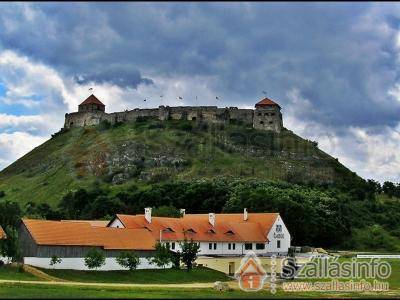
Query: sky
x=333, y=67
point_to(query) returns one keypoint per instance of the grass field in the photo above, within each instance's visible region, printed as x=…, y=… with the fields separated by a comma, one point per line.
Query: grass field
x=36, y=291
x=13, y=273
x=30, y=290
x=141, y=276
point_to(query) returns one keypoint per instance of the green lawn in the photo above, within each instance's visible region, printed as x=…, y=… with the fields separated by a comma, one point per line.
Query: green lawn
x=12, y=273
x=141, y=276
x=38, y=291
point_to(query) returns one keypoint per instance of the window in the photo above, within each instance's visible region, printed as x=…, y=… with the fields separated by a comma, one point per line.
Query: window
x=229, y=246
x=278, y=244
x=261, y=122
x=259, y=114
x=278, y=228
x=215, y=246
x=270, y=122
x=173, y=245
x=272, y=114
x=260, y=246
x=248, y=246
x=209, y=246
x=167, y=244
x=233, y=246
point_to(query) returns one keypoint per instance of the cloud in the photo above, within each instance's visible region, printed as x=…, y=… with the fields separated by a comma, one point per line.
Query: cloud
x=334, y=69
x=14, y=145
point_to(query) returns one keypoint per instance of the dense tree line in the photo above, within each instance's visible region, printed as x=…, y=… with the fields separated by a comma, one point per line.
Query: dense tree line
x=325, y=215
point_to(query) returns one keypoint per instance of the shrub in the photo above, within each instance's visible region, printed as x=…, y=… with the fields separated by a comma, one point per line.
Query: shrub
x=185, y=126
x=55, y=260
x=189, y=253
x=104, y=125
x=94, y=259
x=128, y=260
x=162, y=256
x=373, y=237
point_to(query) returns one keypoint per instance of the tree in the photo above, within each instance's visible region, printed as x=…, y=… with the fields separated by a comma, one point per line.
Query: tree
x=55, y=260
x=166, y=211
x=128, y=260
x=94, y=259
x=9, y=246
x=176, y=259
x=162, y=255
x=189, y=253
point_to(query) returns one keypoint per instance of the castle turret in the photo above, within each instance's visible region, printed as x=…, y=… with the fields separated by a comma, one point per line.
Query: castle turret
x=268, y=116
x=91, y=104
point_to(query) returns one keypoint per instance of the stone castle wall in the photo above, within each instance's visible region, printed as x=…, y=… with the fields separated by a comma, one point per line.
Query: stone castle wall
x=211, y=114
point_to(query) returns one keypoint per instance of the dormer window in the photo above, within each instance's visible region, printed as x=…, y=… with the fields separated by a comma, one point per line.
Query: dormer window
x=211, y=231
x=190, y=230
x=145, y=227
x=229, y=232
x=168, y=229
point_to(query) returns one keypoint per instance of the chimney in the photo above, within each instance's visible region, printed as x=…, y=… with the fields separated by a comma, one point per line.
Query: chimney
x=245, y=215
x=182, y=211
x=147, y=214
x=211, y=219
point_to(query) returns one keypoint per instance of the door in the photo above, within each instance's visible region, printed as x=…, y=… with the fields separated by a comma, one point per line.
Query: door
x=231, y=268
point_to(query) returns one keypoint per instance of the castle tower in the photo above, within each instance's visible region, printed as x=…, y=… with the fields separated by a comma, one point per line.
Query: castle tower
x=268, y=116
x=91, y=104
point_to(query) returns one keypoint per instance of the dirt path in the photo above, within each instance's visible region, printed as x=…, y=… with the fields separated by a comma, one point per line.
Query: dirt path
x=42, y=275
x=126, y=285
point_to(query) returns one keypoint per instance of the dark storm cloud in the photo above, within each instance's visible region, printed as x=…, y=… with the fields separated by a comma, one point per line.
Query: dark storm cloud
x=326, y=51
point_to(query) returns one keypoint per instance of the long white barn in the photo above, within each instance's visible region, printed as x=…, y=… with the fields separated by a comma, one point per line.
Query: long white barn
x=219, y=235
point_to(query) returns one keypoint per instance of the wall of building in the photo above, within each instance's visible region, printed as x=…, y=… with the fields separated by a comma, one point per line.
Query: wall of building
x=268, y=118
x=222, y=263
x=282, y=236
x=259, y=119
x=78, y=263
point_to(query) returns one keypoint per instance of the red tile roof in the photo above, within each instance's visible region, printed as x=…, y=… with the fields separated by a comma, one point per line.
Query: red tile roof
x=92, y=100
x=83, y=234
x=266, y=102
x=94, y=223
x=2, y=234
x=228, y=227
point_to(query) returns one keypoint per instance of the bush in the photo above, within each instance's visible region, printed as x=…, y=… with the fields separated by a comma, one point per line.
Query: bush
x=94, y=259
x=55, y=260
x=162, y=256
x=189, y=253
x=128, y=260
x=372, y=238
x=2, y=194
x=104, y=125
x=185, y=126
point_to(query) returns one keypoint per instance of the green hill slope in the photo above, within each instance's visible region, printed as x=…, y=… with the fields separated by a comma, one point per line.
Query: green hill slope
x=151, y=151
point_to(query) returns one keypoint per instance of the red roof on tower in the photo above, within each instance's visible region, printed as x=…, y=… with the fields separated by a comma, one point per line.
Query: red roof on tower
x=92, y=100
x=266, y=102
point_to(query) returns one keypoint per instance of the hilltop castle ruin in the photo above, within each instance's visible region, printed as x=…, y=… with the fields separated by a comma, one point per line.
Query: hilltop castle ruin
x=266, y=115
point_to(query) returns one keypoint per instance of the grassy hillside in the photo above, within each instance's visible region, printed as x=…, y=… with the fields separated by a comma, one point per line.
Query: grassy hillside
x=150, y=151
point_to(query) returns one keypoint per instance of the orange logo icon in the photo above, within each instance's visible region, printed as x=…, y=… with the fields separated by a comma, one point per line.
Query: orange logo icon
x=251, y=274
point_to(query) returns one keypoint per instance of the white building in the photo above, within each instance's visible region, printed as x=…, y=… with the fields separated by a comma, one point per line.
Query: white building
x=219, y=235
